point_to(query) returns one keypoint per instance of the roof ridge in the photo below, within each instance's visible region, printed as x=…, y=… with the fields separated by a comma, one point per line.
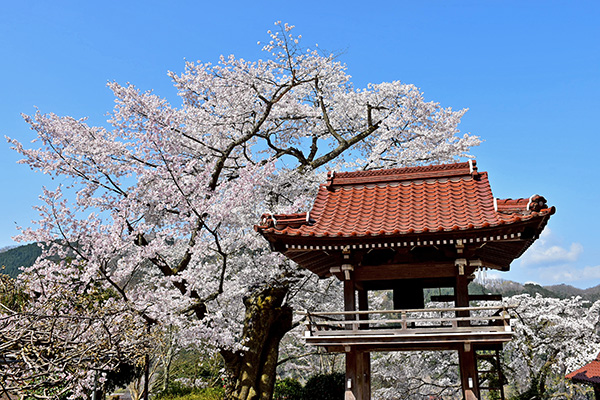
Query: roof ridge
x=437, y=171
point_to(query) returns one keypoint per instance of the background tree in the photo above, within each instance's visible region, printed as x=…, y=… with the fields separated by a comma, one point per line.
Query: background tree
x=552, y=338
x=160, y=204
x=65, y=339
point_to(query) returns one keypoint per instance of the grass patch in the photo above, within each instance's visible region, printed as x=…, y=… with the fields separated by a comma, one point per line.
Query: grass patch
x=195, y=394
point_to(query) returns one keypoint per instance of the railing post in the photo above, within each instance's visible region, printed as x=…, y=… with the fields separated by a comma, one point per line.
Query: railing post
x=506, y=319
x=404, y=323
x=309, y=325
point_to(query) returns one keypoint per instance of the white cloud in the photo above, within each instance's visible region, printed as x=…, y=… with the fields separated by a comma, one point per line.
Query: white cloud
x=548, y=250
x=550, y=261
x=552, y=254
x=567, y=273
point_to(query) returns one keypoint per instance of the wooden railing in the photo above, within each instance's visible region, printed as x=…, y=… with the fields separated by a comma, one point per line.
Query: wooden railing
x=406, y=322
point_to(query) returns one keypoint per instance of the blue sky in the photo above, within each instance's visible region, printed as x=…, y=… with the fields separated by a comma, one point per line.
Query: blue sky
x=529, y=72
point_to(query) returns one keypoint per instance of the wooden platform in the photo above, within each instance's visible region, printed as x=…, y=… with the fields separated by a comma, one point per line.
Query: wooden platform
x=433, y=328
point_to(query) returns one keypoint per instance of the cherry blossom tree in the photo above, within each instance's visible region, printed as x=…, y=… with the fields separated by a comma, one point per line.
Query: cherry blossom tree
x=416, y=374
x=64, y=340
x=552, y=338
x=160, y=203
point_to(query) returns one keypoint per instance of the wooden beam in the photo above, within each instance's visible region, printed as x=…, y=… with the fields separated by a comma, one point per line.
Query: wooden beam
x=415, y=347
x=404, y=271
x=399, y=342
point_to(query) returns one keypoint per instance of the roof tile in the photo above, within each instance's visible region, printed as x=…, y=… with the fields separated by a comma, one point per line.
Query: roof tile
x=448, y=197
x=589, y=373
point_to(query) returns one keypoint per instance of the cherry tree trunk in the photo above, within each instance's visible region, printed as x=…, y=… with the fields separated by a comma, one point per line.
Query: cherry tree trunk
x=252, y=372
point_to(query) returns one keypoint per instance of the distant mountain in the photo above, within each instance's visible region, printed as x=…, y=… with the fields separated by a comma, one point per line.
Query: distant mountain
x=5, y=248
x=562, y=291
x=566, y=290
x=14, y=258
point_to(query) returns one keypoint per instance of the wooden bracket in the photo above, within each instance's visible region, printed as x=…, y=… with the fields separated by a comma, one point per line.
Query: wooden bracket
x=347, y=268
x=461, y=263
x=346, y=252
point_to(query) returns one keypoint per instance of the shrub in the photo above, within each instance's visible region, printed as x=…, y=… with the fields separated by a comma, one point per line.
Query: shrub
x=325, y=387
x=183, y=393
x=287, y=389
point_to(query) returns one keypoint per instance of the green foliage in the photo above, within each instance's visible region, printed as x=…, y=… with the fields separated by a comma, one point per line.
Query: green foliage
x=287, y=389
x=11, y=295
x=325, y=387
x=191, y=365
x=175, y=390
x=180, y=392
x=23, y=256
x=196, y=364
x=531, y=394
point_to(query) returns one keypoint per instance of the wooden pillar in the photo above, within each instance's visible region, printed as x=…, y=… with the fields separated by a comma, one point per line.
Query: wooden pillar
x=363, y=370
x=364, y=380
x=466, y=353
x=358, y=375
x=351, y=392
x=468, y=372
x=349, y=299
x=351, y=383
x=461, y=290
x=358, y=363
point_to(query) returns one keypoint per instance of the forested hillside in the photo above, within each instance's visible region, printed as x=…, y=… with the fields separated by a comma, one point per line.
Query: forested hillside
x=13, y=259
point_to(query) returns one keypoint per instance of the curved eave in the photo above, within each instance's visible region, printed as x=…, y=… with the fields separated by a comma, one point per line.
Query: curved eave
x=290, y=235
x=500, y=244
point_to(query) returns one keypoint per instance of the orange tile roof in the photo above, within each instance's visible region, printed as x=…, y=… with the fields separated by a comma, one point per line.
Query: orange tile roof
x=439, y=205
x=589, y=373
x=396, y=202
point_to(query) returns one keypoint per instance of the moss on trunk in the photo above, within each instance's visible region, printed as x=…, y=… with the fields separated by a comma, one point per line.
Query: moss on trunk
x=252, y=372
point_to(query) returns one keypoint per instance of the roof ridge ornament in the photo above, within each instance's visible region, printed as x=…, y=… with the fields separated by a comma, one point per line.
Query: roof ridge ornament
x=536, y=203
x=274, y=221
x=473, y=169
x=330, y=176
